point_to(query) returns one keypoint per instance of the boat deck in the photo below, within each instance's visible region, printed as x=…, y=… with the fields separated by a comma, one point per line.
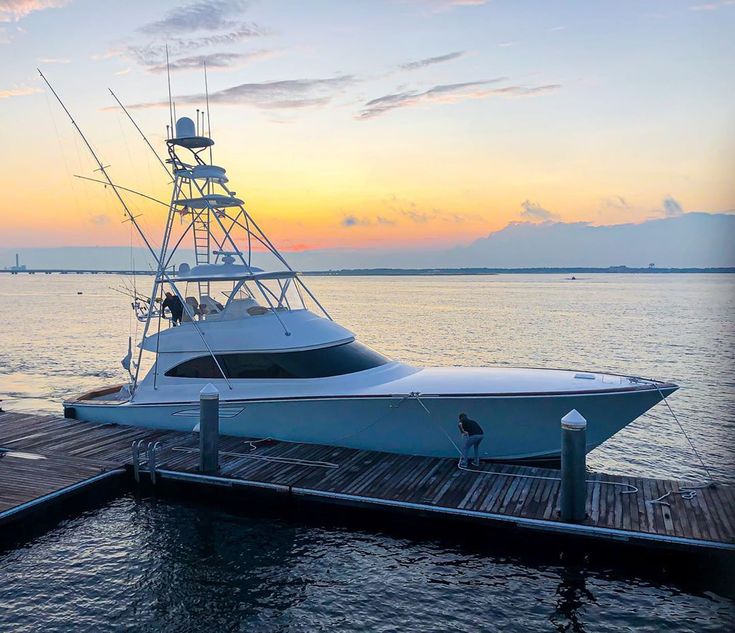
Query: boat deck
x=623, y=509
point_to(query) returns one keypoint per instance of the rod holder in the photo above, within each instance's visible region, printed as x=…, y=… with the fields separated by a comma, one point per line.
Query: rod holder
x=573, y=467
x=209, y=429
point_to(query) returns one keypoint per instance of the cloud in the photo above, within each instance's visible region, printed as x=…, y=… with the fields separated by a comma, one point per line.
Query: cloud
x=672, y=207
x=449, y=93
x=193, y=26
x=409, y=210
x=14, y=10
x=534, y=211
x=615, y=202
x=206, y=15
x=439, y=6
x=54, y=60
x=429, y=61
x=153, y=54
x=524, y=91
x=100, y=220
x=352, y=220
x=21, y=91
x=418, y=217
x=213, y=61
x=711, y=6
x=285, y=94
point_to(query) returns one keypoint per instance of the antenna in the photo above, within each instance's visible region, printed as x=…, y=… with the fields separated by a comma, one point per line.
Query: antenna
x=102, y=168
x=170, y=101
x=124, y=109
x=209, y=122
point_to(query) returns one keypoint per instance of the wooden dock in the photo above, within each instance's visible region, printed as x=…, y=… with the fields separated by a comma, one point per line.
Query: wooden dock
x=634, y=510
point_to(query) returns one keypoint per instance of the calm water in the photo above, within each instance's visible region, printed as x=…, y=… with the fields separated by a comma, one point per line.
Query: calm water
x=162, y=565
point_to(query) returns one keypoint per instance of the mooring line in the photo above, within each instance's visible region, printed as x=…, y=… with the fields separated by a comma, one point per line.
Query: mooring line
x=265, y=458
x=416, y=395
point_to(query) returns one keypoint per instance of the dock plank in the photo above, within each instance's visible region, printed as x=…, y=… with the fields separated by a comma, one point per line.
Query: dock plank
x=77, y=451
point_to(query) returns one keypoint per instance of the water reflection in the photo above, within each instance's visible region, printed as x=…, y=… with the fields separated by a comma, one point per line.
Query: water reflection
x=154, y=565
x=572, y=596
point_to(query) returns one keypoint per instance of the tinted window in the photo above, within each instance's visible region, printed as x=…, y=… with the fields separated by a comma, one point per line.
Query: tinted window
x=316, y=363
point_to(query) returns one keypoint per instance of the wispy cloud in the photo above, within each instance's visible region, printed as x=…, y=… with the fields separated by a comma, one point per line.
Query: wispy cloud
x=408, y=210
x=14, y=10
x=213, y=61
x=54, y=60
x=187, y=28
x=526, y=91
x=352, y=220
x=672, y=207
x=100, y=220
x=712, y=6
x=153, y=54
x=534, y=211
x=615, y=202
x=206, y=15
x=449, y=93
x=430, y=61
x=20, y=91
x=285, y=94
x=439, y=6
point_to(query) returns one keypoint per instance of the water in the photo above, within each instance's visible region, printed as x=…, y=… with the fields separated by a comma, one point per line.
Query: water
x=55, y=342
x=161, y=565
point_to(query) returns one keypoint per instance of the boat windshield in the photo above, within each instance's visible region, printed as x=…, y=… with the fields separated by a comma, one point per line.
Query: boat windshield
x=337, y=360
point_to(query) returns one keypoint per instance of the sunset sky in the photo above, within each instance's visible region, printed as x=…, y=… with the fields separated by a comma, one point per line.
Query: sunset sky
x=369, y=123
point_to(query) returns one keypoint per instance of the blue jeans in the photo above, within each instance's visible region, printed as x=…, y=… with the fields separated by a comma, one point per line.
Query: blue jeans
x=471, y=441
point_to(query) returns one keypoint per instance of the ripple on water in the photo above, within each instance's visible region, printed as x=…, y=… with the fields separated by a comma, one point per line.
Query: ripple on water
x=157, y=566
x=154, y=565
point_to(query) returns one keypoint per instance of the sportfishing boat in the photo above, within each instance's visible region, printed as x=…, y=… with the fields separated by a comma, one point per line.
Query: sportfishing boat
x=286, y=370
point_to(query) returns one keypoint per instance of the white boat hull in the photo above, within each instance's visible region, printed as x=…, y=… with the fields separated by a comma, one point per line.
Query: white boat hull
x=517, y=427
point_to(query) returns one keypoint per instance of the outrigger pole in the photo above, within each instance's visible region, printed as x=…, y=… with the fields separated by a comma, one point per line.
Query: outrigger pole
x=145, y=138
x=102, y=168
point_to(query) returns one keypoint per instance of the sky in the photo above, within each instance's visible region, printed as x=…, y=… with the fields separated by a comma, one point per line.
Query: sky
x=369, y=124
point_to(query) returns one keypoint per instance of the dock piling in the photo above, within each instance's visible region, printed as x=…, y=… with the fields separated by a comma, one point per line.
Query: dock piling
x=573, y=467
x=209, y=429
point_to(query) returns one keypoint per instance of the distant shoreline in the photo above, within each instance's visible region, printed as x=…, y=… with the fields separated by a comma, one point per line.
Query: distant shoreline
x=406, y=272
x=365, y=272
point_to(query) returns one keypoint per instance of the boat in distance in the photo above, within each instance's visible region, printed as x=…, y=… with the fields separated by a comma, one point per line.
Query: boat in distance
x=286, y=370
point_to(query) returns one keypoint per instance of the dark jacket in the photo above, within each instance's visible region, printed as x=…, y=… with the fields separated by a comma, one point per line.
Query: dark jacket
x=174, y=304
x=471, y=427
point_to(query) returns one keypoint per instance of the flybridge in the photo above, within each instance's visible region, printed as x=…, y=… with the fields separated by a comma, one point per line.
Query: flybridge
x=207, y=217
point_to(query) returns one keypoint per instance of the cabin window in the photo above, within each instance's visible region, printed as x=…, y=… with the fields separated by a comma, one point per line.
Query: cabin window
x=338, y=360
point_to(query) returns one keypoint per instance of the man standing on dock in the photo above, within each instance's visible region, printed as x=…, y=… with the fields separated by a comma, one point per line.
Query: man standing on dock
x=473, y=435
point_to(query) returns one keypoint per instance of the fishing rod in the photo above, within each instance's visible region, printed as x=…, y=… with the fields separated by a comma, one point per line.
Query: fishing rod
x=101, y=167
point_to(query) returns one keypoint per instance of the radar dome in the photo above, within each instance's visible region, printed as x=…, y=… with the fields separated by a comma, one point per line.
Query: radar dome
x=185, y=128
